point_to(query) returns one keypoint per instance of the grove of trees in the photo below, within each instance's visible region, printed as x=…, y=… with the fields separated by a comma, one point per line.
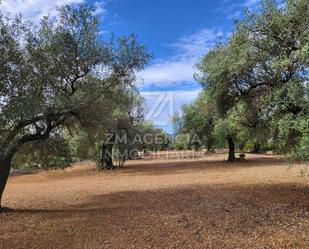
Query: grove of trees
x=68, y=94
x=256, y=84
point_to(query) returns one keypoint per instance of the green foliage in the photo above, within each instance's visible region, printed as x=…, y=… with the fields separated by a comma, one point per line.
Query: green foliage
x=62, y=76
x=54, y=153
x=177, y=123
x=182, y=142
x=148, y=137
x=197, y=121
x=294, y=136
x=226, y=127
x=82, y=145
x=258, y=78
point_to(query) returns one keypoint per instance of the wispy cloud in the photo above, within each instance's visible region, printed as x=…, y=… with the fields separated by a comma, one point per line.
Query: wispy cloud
x=234, y=10
x=196, y=44
x=179, y=68
x=34, y=10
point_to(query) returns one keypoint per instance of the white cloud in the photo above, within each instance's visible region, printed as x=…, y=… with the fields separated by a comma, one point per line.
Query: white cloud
x=165, y=73
x=179, y=68
x=196, y=44
x=99, y=8
x=234, y=10
x=34, y=10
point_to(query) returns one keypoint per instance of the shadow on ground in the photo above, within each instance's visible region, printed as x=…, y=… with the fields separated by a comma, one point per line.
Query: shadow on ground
x=167, y=167
x=215, y=216
x=153, y=167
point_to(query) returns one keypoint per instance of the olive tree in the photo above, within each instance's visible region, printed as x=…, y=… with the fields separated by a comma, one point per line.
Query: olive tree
x=267, y=53
x=126, y=114
x=55, y=75
x=198, y=119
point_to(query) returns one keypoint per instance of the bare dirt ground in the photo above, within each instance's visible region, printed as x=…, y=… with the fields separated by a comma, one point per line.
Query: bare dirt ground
x=169, y=203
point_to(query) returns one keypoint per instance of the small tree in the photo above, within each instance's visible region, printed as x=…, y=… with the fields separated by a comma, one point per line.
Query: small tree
x=215, y=76
x=198, y=119
x=126, y=114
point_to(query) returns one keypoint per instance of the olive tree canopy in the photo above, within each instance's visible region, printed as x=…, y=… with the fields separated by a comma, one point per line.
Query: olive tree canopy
x=56, y=74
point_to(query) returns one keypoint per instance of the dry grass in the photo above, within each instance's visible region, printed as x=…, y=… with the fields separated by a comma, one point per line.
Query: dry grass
x=178, y=203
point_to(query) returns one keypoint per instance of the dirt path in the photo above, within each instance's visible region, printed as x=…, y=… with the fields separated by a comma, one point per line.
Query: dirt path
x=205, y=203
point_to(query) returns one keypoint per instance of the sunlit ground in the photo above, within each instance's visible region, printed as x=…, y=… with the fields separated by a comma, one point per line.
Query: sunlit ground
x=160, y=203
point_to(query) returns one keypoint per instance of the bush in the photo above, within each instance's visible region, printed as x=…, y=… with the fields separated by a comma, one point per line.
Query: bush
x=54, y=153
x=301, y=151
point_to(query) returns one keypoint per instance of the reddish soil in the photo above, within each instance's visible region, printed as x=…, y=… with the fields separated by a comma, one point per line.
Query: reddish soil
x=160, y=203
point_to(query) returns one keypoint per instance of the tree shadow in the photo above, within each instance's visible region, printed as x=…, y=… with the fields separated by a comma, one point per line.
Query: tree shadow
x=190, y=215
x=157, y=167
x=296, y=195
x=204, y=164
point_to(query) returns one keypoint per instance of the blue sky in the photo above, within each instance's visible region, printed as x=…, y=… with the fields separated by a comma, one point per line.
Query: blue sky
x=176, y=32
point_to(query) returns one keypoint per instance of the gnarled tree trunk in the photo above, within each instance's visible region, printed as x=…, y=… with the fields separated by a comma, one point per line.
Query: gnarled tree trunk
x=231, y=149
x=5, y=166
x=106, y=160
x=257, y=148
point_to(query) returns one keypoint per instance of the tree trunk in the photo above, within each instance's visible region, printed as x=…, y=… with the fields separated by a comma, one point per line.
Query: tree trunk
x=106, y=160
x=5, y=166
x=257, y=147
x=208, y=145
x=231, y=149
